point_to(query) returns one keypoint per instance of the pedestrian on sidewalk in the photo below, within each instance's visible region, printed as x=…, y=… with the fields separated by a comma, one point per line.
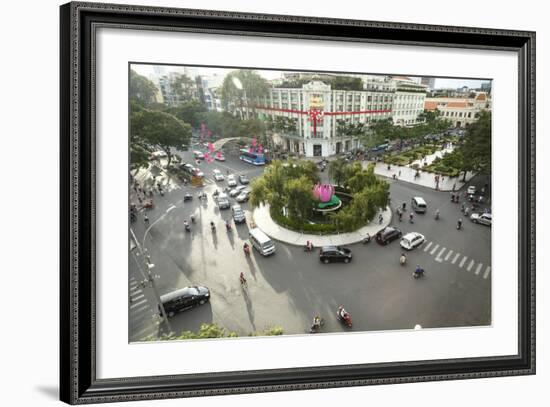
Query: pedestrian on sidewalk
x=380, y=219
x=399, y=173
x=454, y=186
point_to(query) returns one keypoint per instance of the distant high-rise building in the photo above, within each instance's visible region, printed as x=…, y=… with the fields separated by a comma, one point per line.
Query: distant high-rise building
x=486, y=87
x=428, y=82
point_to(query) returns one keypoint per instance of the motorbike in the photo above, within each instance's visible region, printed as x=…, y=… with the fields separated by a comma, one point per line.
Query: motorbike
x=459, y=225
x=419, y=272
x=344, y=316
x=366, y=239
x=318, y=322
x=308, y=247
x=437, y=215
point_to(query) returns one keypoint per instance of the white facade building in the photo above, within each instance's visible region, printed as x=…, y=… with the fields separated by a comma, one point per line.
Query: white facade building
x=409, y=101
x=319, y=112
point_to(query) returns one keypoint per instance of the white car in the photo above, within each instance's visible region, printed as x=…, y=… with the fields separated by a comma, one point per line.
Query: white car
x=236, y=191
x=412, y=240
x=158, y=154
x=243, y=196
x=482, y=218
x=199, y=155
x=218, y=176
x=223, y=201
x=231, y=181
x=471, y=190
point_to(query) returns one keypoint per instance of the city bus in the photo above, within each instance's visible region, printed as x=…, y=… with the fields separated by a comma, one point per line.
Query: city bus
x=252, y=158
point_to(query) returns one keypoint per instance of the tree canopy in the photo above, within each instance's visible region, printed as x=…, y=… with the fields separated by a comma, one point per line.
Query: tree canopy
x=158, y=130
x=142, y=90
x=242, y=85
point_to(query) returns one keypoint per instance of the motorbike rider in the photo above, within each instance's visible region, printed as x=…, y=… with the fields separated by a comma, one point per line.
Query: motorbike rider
x=316, y=322
x=343, y=313
x=437, y=214
x=459, y=224
x=411, y=217
x=418, y=271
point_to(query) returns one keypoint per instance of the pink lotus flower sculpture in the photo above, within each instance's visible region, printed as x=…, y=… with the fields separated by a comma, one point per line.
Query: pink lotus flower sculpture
x=323, y=192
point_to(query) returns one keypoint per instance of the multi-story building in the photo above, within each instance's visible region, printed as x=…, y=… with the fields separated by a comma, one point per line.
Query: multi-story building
x=322, y=116
x=177, y=88
x=408, y=102
x=460, y=111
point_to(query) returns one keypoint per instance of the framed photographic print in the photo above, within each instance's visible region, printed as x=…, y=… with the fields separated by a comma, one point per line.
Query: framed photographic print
x=254, y=203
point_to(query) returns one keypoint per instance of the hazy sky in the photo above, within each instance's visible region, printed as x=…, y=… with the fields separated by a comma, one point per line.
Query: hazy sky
x=147, y=70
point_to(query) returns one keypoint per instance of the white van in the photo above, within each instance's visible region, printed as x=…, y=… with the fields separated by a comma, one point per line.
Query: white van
x=419, y=204
x=261, y=242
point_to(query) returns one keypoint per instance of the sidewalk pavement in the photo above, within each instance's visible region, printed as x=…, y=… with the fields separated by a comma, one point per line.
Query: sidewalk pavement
x=426, y=179
x=263, y=220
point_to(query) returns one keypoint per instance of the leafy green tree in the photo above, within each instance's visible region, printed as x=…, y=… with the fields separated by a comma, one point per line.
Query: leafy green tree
x=476, y=147
x=142, y=90
x=189, y=112
x=337, y=170
x=242, y=86
x=159, y=129
x=299, y=198
x=184, y=88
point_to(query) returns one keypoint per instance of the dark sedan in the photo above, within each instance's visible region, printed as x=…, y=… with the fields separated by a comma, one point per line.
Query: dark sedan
x=184, y=299
x=388, y=235
x=332, y=254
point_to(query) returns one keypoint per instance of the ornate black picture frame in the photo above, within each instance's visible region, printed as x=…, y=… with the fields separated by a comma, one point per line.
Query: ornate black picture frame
x=79, y=383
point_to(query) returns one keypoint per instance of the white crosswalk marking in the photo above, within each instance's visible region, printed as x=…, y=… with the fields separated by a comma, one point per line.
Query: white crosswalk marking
x=456, y=258
x=448, y=255
x=471, y=265
x=463, y=261
x=427, y=247
x=478, y=269
x=434, y=249
x=438, y=257
x=137, y=304
x=487, y=271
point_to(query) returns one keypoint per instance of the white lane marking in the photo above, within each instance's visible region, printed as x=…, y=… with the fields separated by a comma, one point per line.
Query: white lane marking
x=448, y=255
x=140, y=305
x=456, y=258
x=427, y=247
x=471, y=265
x=487, y=271
x=438, y=257
x=434, y=249
x=463, y=261
x=478, y=269
x=137, y=297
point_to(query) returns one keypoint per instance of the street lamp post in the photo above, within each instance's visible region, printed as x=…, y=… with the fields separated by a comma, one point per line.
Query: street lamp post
x=150, y=265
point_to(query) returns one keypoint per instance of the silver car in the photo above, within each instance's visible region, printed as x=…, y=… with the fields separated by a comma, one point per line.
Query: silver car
x=482, y=218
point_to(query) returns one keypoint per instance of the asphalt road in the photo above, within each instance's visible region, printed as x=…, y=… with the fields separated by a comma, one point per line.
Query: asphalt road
x=290, y=287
